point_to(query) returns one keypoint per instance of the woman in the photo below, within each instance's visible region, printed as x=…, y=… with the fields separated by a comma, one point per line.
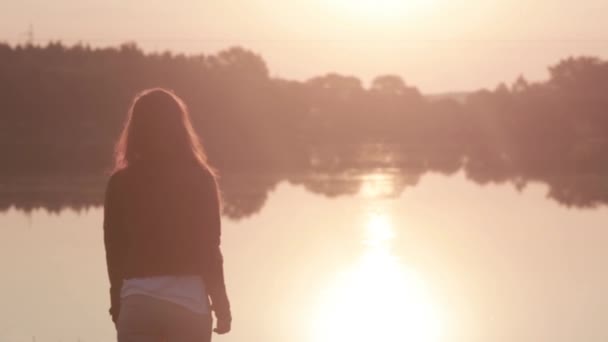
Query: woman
x=162, y=229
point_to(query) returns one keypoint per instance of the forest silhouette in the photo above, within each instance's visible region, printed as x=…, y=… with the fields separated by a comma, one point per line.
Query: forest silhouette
x=63, y=108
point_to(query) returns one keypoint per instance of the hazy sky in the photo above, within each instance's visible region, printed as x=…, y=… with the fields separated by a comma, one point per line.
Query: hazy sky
x=437, y=45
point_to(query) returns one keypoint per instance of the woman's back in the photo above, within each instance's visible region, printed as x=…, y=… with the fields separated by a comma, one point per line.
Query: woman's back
x=169, y=216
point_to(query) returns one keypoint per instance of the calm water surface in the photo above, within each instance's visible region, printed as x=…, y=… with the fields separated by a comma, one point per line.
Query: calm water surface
x=448, y=260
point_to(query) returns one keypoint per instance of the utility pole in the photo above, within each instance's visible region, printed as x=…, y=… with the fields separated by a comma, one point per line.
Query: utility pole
x=29, y=35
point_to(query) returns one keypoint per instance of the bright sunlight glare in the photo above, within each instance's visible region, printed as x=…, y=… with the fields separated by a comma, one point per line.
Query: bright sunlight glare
x=377, y=299
x=379, y=11
x=379, y=232
x=377, y=185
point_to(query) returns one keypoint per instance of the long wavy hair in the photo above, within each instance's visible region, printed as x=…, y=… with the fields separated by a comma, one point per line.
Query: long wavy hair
x=158, y=130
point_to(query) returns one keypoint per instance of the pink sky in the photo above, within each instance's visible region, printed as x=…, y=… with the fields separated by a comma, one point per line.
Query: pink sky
x=437, y=45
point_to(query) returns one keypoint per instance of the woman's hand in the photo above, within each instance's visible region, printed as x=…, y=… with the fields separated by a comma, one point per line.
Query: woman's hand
x=222, y=326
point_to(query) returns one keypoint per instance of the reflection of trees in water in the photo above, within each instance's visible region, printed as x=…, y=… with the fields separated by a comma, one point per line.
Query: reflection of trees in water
x=62, y=109
x=243, y=194
x=246, y=194
x=52, y=194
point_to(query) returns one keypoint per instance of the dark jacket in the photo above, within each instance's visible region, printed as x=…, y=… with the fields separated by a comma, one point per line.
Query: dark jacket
x=164, y=220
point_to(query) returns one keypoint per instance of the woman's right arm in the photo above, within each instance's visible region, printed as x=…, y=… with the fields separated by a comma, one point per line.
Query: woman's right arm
x=213, y=272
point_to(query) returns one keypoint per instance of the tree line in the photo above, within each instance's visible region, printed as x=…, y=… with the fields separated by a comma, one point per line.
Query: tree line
x=63, y=108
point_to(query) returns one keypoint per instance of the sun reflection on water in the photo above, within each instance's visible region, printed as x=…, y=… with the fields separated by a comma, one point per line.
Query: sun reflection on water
x=378, y=298
x=377, y=185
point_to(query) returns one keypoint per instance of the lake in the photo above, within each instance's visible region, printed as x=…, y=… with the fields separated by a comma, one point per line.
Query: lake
x=445, y=260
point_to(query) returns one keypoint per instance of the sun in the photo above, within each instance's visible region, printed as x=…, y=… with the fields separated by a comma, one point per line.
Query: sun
x=378, y=298
x=382, y=11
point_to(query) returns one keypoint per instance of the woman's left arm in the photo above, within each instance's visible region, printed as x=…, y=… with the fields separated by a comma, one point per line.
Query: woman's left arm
x=115, y=244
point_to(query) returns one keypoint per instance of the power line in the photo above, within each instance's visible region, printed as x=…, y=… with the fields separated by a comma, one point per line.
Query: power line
x=30, y=38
